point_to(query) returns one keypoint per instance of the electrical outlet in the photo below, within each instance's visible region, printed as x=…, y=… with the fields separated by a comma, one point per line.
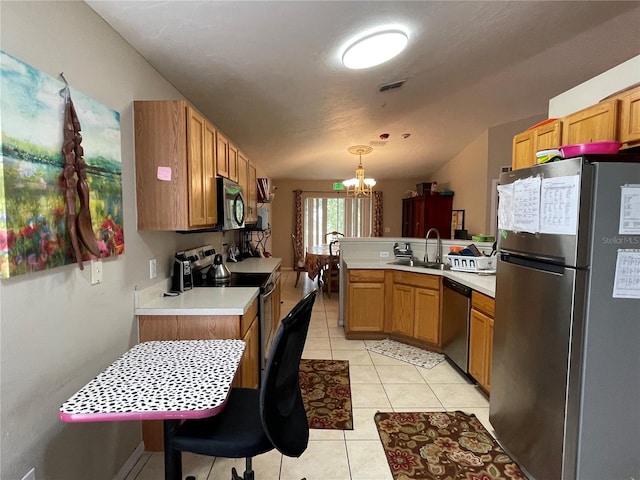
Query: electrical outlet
x=96, y=272
x=152, y=268
x=384, y=254
x=31, y=475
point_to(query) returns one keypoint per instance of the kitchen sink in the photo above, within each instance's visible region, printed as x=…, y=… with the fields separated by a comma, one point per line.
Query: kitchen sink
x=419, y=263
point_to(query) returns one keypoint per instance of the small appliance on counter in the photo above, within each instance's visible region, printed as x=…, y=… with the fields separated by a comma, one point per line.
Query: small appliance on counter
x=219, y=272
x=182, y=278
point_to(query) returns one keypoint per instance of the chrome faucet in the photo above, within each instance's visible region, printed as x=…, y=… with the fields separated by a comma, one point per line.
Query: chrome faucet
x=438, y=246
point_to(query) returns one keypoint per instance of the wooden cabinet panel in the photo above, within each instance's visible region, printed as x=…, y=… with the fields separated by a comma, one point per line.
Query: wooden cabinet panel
x=243, y=178
x=222, y=155
x=172, y=135
x=546, y=137
x=233, y=163
x=365, y=307
x=210, y=185
x=481, y=338
x=592, y=124
x=427, y=315
x=157, y=327
x=630, y=117
x=361, y=276
x=249, y=366
x=523, y=150
x=403, y=301
x=417, y=279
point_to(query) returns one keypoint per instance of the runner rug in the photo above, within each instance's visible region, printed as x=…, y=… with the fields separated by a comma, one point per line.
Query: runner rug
x=442, y=445
x=326, y=393
x=407, y=353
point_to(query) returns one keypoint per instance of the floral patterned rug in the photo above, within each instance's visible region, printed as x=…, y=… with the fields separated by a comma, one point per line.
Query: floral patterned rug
x=442, y=446
x=407, y=353
x=326, y=393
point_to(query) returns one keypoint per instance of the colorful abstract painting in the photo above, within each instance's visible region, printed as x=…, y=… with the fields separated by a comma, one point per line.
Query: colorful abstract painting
x=33, y=230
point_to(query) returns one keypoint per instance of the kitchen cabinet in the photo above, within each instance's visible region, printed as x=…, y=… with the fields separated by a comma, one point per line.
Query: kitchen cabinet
x=419, y=214
x=415, y=308
x=629, y=117
x=527, y=143
x=222, y=155
x=243, y=179
x=592, y=124
x=481, y=339
x=232, y=160
x=365, y=301
x=252, y=195
x=203, y=327
x=175, y=167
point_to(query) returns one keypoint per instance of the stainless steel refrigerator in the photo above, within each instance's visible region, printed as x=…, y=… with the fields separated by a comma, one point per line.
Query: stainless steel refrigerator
x=565, y=380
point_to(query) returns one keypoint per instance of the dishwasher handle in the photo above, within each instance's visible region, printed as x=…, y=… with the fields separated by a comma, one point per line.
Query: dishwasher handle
x=456, y=287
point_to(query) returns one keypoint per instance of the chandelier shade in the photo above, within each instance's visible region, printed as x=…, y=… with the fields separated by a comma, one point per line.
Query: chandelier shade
x=359, y=186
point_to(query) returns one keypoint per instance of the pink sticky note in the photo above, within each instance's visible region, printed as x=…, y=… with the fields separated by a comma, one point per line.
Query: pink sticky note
x=164, y=173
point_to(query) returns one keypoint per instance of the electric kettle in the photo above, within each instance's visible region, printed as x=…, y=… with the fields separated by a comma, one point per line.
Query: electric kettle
x=219, y=272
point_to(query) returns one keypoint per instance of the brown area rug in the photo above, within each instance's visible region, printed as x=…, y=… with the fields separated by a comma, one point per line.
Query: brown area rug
x=326, y=393
x=442, y=446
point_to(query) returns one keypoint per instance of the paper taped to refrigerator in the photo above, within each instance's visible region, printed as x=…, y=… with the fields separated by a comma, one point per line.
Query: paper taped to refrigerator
x=627, y=279
x=505, y=207
x=629, y=210
x=526, y=205
x=559, y=205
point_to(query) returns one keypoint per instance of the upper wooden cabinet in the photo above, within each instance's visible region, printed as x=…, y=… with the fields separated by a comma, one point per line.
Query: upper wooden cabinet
x=252, y=196
x=592, y=124
x=222, y=155
x=527, y=143
x=175, y=166
x=233, y=163
x=629, y=115
x=243, y=178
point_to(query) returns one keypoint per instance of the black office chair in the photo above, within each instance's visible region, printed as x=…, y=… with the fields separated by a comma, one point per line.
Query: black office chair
x=257, y=421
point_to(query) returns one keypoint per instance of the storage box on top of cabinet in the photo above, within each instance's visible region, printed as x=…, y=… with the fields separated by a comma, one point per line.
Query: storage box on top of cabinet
x=175, y=150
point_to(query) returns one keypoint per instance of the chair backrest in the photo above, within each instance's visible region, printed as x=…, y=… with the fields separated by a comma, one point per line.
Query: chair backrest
x=334, y=247
x=297, y=255
x=334, y=235
x=283, y=415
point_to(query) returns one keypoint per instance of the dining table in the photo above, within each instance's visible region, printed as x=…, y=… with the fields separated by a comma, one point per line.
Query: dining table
x=160, y=380
x=318, y=258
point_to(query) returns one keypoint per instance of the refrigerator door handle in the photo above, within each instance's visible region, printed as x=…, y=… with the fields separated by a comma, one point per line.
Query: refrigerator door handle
x=546, y=265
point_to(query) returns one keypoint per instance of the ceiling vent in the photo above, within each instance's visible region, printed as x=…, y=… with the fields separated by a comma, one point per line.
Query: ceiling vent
x=391, y=86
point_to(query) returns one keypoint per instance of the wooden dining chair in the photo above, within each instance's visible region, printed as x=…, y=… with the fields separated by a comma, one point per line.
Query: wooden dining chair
x=298, y=260
x=332, y=236
x=333, y=267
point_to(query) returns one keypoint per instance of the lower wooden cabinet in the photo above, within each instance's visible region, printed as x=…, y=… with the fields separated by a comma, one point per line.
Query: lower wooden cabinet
x=415, y=310
x=203, y=327
x=365, y=301
x=481, y=339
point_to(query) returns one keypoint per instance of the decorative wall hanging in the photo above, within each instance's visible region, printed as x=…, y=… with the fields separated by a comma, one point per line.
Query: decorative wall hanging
x=41, y=182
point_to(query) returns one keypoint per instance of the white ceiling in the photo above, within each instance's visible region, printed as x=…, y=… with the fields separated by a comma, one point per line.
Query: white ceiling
x=268, y=73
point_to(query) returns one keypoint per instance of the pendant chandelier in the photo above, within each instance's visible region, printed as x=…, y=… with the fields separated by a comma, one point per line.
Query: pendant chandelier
x=359, y=186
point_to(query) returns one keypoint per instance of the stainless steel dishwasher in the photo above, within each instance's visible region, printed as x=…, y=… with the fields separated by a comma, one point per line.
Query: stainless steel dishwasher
x=456, y=300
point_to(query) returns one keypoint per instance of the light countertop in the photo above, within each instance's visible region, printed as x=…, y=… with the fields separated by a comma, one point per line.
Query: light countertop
x=205, y=300
x=485, y=284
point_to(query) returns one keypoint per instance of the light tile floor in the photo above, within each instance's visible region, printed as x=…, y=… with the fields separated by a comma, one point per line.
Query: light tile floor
x=377, y=383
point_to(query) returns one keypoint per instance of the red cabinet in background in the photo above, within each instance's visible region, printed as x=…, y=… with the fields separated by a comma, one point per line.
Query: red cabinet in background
x=419, y=214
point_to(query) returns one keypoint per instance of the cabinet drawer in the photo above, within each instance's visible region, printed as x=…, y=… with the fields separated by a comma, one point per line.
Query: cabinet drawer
x=423, y=280
x=363, y=276
x=483, y=303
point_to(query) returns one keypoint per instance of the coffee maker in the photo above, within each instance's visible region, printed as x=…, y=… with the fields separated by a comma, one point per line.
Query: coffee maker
x=182, y=278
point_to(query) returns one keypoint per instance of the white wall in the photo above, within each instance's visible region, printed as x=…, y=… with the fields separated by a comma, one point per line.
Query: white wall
x=595, y=89
x=56, y=330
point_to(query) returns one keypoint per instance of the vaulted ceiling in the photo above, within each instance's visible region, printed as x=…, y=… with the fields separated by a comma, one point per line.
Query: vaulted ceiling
x=268, y=73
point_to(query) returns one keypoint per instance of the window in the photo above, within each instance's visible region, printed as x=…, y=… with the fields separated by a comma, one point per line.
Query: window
x=328, y=212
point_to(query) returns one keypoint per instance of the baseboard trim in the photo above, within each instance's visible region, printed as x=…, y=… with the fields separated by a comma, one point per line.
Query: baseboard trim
x=130, y=463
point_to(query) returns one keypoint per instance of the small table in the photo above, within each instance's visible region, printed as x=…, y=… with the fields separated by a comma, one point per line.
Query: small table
x=164, y=380
x=317, y=258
